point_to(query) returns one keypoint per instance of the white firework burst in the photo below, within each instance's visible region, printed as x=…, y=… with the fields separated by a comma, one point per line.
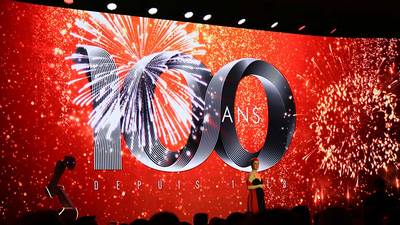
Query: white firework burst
x=142, y=50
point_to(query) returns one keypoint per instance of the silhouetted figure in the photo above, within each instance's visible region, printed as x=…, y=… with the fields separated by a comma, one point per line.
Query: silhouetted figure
x=237, y=218
x=86, y=220
x=378, y=205
x=200, y=219
x=140, y=222
x=184, y=223
x=334, y=216
x=217, y=221
x=164, y=218
x=278, y=217
x=316, y=217
x=357, y=217
x=394, y=216
x=41, y=217
x=301, y=215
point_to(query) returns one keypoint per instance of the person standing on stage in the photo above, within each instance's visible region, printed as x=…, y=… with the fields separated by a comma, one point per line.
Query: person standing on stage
x=256, y=201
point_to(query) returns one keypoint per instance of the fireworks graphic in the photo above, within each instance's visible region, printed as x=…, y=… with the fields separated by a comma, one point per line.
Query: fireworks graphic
x=40, y=124
x=355, y=119
x=152, y=59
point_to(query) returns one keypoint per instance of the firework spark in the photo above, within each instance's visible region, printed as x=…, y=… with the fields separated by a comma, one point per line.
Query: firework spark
x=142, y=49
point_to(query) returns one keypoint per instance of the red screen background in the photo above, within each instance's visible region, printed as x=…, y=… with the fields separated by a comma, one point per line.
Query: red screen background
x=344, y=89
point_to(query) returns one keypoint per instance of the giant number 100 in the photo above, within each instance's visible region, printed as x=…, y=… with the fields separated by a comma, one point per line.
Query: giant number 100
x=214, y=133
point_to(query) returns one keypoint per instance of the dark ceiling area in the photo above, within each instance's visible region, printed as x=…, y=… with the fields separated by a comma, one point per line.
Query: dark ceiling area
x=351, y=18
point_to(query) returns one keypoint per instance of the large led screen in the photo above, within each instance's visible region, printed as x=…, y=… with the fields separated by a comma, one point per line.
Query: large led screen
x=166, y=115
